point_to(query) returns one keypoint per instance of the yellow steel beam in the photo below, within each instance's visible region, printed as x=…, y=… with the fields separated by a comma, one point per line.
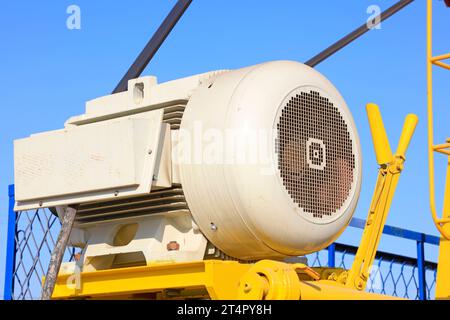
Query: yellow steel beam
x=441, y=57
x=442, y=64
x=437, y=60
x=218, y=280
x=443, y=148
x=443, y=151
x=443, y=269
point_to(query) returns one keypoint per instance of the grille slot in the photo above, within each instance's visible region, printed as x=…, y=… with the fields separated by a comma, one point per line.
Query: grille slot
x=173, y=115
x=315, y=154
x=160, y=201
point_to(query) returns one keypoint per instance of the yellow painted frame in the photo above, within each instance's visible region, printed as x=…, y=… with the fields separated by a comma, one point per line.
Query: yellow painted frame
x=214, y=279
x=434, y=60
x=443, y=271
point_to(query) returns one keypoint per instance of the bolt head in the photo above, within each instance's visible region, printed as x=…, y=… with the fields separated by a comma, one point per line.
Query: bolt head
x=173, y=246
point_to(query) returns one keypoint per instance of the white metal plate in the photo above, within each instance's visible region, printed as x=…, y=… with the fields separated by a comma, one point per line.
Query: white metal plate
x=87, y=163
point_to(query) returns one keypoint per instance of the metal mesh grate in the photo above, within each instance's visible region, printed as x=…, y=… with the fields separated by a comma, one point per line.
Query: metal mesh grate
x=36, y=235
x=315, y=154
x=391, y=277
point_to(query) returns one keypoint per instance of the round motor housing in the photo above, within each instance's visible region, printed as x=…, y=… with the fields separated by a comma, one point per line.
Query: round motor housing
x=274, y=165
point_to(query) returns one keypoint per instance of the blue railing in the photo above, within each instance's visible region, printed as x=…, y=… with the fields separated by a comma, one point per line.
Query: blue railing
x=10, y=247
x=420, y=238
x=397, y=275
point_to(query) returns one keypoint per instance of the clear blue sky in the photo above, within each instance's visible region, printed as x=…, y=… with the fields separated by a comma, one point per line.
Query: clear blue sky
x=48, y=72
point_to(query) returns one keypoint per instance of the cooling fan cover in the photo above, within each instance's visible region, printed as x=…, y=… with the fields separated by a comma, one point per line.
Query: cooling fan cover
x=275, y=162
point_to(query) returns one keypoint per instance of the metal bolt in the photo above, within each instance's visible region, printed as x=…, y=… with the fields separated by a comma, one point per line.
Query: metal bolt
x=213, y=227
x=173, y=246
x=116, y=193
x=359, y=285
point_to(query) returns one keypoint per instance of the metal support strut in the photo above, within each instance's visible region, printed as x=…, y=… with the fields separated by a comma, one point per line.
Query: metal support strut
x=352, y=36
x=389, y=172
x=153, y=45
x=67, y=221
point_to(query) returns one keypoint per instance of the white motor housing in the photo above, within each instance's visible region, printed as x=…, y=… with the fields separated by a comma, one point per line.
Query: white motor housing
x=260, y=162
x=281, y=172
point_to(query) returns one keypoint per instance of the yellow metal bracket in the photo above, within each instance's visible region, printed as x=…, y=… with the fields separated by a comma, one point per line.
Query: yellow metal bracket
x=270, y=280
x=388, y=174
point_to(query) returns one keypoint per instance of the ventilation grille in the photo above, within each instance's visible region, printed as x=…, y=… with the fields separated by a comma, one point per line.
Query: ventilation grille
x=173, y=115
x=161, y=201
x=166, y=200
x=315, y=154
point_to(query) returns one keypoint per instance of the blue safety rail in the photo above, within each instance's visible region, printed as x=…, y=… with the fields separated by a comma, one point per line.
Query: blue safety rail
x=10, y=247
x=30, y=242
x=31, y=238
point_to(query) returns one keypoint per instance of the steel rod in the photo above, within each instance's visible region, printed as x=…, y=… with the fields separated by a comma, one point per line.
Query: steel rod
x=58, y=253
x=10, y=247
x=352, y=36
x=154, y=44
x=421, y=270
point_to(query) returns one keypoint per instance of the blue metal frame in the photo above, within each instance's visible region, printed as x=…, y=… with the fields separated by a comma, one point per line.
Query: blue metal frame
x=332, y=255
x=398, y=232
x=10, y=247
x=421, y=270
